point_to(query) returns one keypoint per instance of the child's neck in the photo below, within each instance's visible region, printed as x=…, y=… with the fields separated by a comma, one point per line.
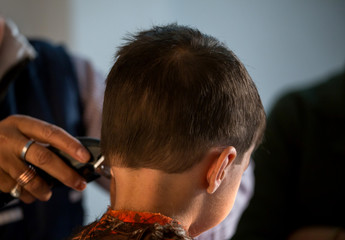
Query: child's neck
x=148, y=190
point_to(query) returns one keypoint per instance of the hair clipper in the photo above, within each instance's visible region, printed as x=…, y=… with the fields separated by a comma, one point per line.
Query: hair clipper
x=90, y=171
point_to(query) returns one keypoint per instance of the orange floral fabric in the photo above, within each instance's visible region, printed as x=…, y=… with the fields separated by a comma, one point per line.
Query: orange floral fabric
x=132, y=225
x=139, y=217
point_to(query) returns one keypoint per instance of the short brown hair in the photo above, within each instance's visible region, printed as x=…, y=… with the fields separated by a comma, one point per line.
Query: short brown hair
x=172, y=94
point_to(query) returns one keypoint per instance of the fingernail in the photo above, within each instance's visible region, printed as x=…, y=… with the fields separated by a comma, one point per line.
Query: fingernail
x=81, y=185
x=47, y=196
x=83, y=154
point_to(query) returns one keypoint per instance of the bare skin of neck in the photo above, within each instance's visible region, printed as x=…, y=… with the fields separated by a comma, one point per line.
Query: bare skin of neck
x=148, y=190
x=199, y=198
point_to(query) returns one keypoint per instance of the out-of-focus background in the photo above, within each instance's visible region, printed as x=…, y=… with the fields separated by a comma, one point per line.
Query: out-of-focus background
x=283, y=43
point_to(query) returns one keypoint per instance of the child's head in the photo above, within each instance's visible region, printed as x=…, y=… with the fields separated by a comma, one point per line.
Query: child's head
x=174, y=93
x=180, y=108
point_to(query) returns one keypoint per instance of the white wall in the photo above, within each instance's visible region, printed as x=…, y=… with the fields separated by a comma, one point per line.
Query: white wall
x=282, y=42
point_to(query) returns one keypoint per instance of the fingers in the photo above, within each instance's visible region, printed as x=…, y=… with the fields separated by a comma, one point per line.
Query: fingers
x=50, y=163
x=48, y=133
x=37, y=186
x=15, y=132
x=8, y=184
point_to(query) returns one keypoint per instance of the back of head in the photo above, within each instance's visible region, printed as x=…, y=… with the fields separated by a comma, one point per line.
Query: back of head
x=172, y=94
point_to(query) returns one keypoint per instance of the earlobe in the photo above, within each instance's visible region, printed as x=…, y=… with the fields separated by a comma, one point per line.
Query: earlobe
x=112, y=172
x=217, y=170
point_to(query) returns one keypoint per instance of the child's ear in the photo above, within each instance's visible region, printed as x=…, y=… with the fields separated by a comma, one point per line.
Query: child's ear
x=216, y=171
x=112, y=172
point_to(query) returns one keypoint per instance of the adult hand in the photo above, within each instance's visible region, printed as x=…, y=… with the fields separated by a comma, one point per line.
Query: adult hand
x=15, y=132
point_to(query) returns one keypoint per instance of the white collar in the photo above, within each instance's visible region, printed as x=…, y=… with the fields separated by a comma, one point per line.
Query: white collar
x=14, y=48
